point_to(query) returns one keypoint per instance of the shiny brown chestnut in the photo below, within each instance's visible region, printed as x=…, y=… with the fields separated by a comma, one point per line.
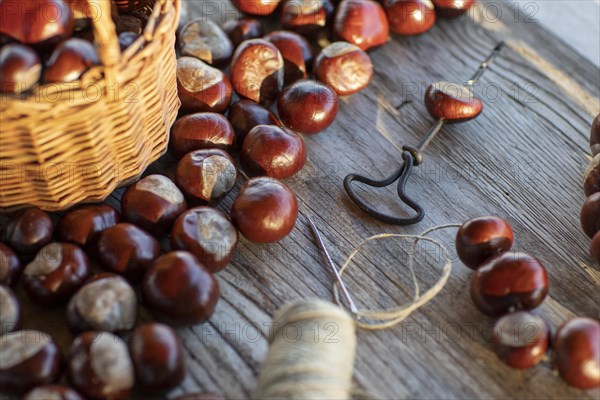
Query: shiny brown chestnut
x=105, y=303
x=201, y=87
x=208, y=234
x=481, y=239
x=206, y=176
x=577, y=352
x=595, y=136
x=595, y=248
x=82, y=225
x=344, y=67
x=306, y=17
x=591, y=180
x=296, y=53
x=265, y=210
x=245, y=115
x=205, y=40
x=10, y=310
x=153, y=204
x=70, y=60
x=28, y=359
x=99, y=366
x=56, y=273
x=521, y=339
x=410, y=17
x=127, y=250
x=20, y=68
x=179, y=290
x=157, y=357
x=509, y=282
x=27, y=231
x=202, y=131
x=308, y=106
x=452, y=8
x=273, y=151
x=590, y=215
x=52, y=392
x=243, y=29
x=41, y=23
x=452, y=102
x=257, y=71
x=200, y=396
x=10, y=266
x=256, y=7
x=362, y=23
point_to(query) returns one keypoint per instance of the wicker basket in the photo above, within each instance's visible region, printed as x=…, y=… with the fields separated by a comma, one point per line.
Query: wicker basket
x=69, y=143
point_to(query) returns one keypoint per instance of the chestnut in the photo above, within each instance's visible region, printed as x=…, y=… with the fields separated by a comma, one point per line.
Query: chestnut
x=202, y=131
x=10, y=310
x=153, y=204
x=128, y=23
x=126, y=39
x=27, y=359
x=245, y=115
x=52, y=392
x=306, y=17
x=105, y=303
x=509, y=282
x=206, y=176
x=243, y=29
x=157, y=357
x=362, y=23
x=70, y=60
x=344, y=67
x=410, y=17
x=27, y=231
x=452, y=102
x=56, y=273
x=595, y=136
x=452, y=8
x=590, y=215
x=483, y=238
x=257, y=71
x=200, y=396
x=127, y=250
x=595, y=248
x=208, y=234
x=20, y=68
x=296, y=53
x=205, y=40
x=591, y=181
x=82, y=225
x=577, y=352
x=202, y=87
x=521, y=339
x=265, y=210
x=99, y=366
x=179, y=290
x=269, y=150
x=308, y=106
x=10, y=266
x=256, y=7
x=41, y=23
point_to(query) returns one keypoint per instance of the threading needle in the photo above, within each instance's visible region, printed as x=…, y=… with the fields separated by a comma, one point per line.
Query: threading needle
x=338, y=277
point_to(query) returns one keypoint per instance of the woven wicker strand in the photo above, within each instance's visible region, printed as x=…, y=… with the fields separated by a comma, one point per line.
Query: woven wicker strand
x=76, y=142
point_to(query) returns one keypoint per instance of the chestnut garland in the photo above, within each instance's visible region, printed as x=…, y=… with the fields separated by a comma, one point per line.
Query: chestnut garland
x=507, y=285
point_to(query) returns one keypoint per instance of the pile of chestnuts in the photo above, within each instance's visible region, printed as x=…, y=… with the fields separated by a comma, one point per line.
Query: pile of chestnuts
x=590, y=212
x=52, y=41
x=508, y=285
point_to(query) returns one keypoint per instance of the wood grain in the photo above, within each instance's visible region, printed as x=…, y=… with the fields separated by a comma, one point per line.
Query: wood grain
x=522, y=160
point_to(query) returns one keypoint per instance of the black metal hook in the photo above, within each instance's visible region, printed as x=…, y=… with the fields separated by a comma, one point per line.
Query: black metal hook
x=412, y=157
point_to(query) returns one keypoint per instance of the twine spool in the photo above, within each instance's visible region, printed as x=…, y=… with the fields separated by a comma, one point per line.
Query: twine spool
x=311, y=354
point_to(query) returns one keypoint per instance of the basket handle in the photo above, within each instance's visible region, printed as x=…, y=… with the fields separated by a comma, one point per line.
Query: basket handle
x=105, y=33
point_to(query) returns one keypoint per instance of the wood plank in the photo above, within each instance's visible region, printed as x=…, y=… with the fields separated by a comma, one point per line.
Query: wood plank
x=522, y=159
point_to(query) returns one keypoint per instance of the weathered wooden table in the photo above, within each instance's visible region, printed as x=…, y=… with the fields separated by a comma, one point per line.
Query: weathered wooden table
x=522, y=159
